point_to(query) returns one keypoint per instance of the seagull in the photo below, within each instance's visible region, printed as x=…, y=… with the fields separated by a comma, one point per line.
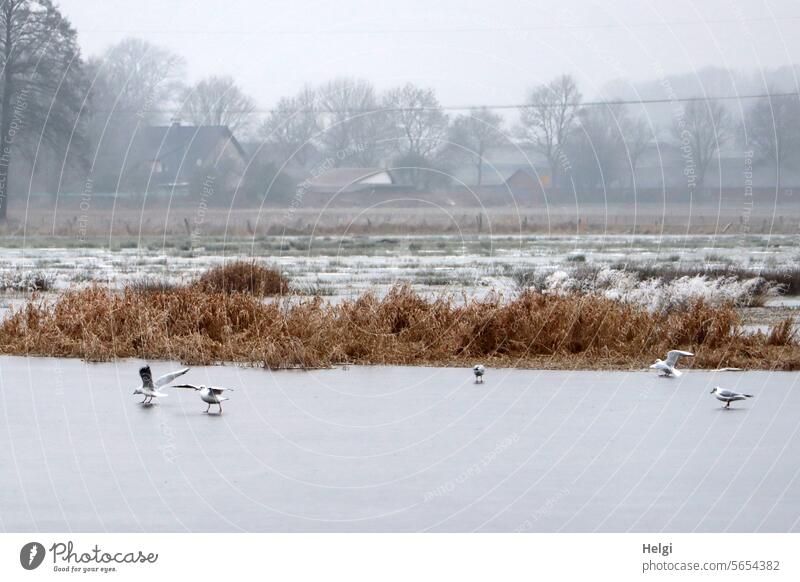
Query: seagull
x=479, y=371
x=668, y=366
x=210, y=394
x=150, y=388
x=728, y=396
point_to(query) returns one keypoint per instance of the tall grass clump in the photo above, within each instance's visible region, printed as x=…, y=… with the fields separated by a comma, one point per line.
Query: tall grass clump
x=402, y=328
x=788, y=277
x=655, y=293
x=25, y=281
x=149, y=284
x=242, y=277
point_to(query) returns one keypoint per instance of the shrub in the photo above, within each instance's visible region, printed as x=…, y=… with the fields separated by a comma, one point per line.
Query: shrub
x=242, y=277
x=25, y=281
x=149, y=284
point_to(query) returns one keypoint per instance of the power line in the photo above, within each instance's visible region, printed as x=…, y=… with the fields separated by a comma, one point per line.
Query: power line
x=506, y=106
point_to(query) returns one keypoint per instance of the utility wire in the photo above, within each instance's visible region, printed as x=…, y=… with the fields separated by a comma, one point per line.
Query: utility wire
x=356, y=111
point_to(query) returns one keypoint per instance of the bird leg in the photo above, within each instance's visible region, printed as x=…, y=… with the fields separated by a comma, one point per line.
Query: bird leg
x=142, y=402
x=209, y=408
x=220, y=407
x=728, y=404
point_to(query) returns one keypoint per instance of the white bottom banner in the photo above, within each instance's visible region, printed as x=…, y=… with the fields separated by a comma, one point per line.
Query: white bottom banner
x=439, y=557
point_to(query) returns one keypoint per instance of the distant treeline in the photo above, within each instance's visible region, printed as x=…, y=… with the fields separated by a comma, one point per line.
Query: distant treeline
x=69, y=122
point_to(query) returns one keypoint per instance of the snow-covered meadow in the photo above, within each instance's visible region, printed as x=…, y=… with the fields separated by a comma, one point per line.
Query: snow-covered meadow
x=336, y=267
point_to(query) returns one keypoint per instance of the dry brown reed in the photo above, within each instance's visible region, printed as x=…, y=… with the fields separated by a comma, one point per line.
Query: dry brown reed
x=404, y=328
x=242, y=277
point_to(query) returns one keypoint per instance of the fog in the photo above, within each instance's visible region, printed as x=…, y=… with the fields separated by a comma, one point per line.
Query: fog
x=469, y=51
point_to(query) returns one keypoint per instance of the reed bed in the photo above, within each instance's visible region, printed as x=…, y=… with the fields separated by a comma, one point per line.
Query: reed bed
x=242, y=277
x=402, y=328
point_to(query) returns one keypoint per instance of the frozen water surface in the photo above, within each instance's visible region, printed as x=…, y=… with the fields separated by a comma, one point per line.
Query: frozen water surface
x=396, y=449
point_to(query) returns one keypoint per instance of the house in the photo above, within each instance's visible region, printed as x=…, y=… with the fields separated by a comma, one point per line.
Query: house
x=340, y=180
x=501, y=162
x=179, y=158
x=527, y=181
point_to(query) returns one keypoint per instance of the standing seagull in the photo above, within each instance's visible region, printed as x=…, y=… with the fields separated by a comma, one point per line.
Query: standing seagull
x=479, y=371
x=209, y=394
x=150, y=388
x=728, y=396
x=668, y=366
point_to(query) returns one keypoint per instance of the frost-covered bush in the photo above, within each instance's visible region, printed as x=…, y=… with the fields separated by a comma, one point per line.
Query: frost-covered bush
x=25, y=281
x=655, y=293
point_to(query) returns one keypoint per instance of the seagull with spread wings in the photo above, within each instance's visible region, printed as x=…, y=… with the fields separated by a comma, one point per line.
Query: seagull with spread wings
x=209, y=394
x=667, y=367
x=150, y=388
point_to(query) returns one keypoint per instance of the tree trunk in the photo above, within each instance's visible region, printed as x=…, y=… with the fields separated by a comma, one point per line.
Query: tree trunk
x=553, y=174
x=5, y=118
x=5, y=148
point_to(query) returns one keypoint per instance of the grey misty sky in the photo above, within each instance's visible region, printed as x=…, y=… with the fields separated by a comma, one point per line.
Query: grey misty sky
x=273, y=48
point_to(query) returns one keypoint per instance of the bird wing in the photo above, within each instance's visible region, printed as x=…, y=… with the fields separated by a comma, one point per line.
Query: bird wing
x=192, y=386
x=146, y=376
x=674, y=355
x=728, y=393
x=219, y=391
x=167, y=378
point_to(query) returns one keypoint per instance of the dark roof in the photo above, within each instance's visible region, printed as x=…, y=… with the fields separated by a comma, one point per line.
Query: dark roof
x=180, y=147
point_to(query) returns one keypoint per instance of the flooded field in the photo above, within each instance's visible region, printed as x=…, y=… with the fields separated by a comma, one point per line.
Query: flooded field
x=396, y=449
x=334, y=266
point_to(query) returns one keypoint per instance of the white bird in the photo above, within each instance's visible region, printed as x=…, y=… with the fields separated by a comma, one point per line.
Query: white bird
x=668, y=366
x=728, y=396
x=210, y=394
x=479, y=371
x=150, y=388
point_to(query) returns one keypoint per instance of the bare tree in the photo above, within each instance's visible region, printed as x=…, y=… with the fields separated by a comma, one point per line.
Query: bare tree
x=476, y=132
x=218, y=101
x=549, y=119
x=352, y=122
x=417, y=127
x=292, y=127
x=773, y=126
x=637, y=136
x=133, y=84
x=138, y=78
x=41, y=80
x=703, y=128
x=417, y=120
x=597, y=150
